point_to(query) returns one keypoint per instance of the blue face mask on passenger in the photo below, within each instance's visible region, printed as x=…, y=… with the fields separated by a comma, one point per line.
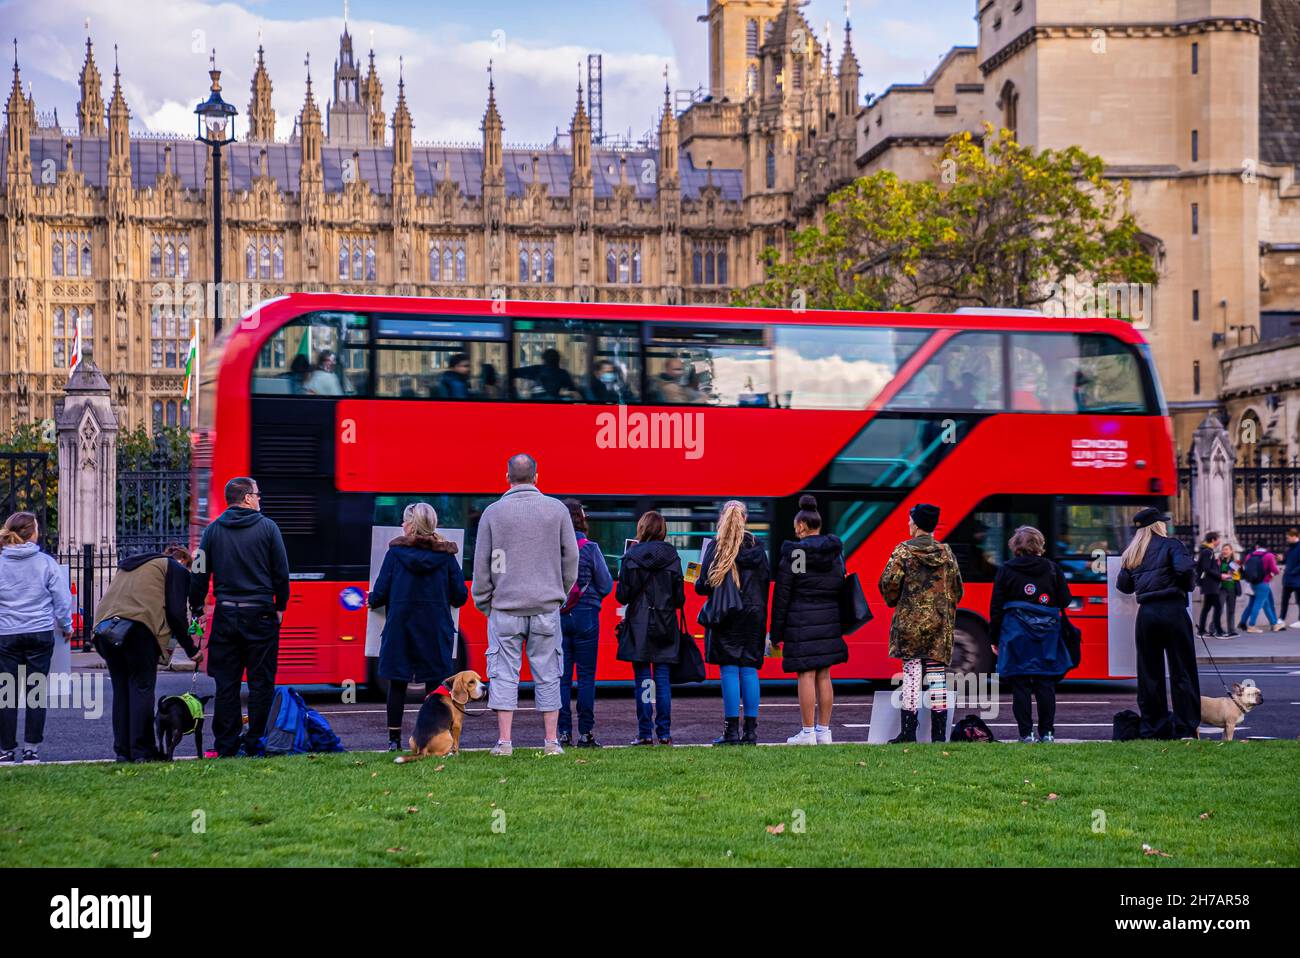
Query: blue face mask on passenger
x=609, y=378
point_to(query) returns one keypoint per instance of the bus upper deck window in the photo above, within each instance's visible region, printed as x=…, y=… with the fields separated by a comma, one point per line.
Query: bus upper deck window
x=325, y=355
x=569, y=360
x=964, y=375
x=839, y=367
x=709, y=366
x=1075, y=373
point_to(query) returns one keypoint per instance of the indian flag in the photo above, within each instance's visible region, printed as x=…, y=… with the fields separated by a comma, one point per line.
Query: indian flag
x=192, y=361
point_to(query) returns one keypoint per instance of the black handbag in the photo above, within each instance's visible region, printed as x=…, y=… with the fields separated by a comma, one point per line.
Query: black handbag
x=1072, y=638
x=689, y=666
x=113, y=632
x=724, y=603
x=854, y=610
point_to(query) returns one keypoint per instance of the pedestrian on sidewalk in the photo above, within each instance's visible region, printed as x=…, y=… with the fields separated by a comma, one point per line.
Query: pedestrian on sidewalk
x=1158, y=570
x=241, y=555
x=34, y=601
x=1026, y=615
x=1210, y=579
x=737, y=645
x=806, y=619
x=922, y=584
x=651, y=586
x=525, y=563
x=149, y=594
x=1230, y=573
x=580, y=631
x=419, y=583
x=1291, y=575
x=1259, y=569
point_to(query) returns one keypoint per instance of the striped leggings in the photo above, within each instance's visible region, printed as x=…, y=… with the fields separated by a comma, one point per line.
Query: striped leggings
x=928, y=674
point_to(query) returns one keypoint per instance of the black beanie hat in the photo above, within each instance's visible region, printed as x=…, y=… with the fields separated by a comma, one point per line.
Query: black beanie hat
x=925, y=516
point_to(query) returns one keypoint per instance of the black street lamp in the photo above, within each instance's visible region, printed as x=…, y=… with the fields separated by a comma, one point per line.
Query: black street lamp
x=216, y=128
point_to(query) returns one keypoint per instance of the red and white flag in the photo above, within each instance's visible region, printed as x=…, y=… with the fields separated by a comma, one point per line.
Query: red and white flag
x=74, y=360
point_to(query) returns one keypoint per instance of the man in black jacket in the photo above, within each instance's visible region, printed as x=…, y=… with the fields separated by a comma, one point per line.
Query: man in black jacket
x=1210, y=579
x=242, y=553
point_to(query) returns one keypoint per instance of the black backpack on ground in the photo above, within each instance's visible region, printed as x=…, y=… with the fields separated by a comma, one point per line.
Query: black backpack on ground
x=972, y=729
x=1125, y=726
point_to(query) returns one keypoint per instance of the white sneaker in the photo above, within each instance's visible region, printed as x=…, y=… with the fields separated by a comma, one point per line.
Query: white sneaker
x=802, y=737
x=1296, y=624
x=502, y=748
x=552, y=748
x=823, y=737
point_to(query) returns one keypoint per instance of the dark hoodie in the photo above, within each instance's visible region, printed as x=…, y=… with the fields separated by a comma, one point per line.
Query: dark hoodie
x=806, y=604
x=650, y=584
x=1035, y=579
x=742, y=640
x=419, y=584
x=243, y=554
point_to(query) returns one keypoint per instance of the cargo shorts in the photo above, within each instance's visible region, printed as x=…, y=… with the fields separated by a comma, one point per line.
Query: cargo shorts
x=509, y=636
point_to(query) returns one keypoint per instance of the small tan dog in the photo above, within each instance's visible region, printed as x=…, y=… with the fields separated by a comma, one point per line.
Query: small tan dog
x=1225, y=712
x=437, y=727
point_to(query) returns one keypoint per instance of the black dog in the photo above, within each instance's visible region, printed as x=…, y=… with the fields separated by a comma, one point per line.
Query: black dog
x=176, y=719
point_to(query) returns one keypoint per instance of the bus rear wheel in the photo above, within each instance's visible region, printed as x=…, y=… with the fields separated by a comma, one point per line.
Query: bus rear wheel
x=972, y=654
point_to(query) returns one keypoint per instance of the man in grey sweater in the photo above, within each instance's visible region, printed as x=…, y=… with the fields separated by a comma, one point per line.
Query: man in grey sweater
x=525, y=562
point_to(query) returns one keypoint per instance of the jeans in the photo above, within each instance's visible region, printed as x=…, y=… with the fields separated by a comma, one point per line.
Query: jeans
x=580, y=637
x=739, y=683
x=1261, y=601
x=654, y=699
x=133, y=672
x=245, y=638
x=33, y=650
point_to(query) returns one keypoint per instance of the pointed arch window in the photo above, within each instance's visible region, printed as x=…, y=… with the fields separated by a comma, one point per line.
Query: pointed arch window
x=343, y=259
x=460, y=263
x=169, y=259
x=70, y=248
x=771, y=168
x=264, y=260
x=611, y=267
x=751, y=80
x=751, y=38
x=56, y=258
x=709, y=262
x=85, y=258
x=155, y=259
x=548, y=261
x=182, y=260
x=250, y=261
x=370, y=262
x=537, y=261
x=357, y=257
x=277, y=259
x=435, y=263
x=623, y=262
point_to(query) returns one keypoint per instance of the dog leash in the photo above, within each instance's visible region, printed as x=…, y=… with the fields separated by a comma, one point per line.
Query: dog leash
x=1232, y=698
x=196, y=629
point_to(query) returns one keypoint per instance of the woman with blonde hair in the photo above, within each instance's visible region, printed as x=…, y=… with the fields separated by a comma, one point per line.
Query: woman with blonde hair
x=34, y=601
x=419, y=583
x=737, y=645
x=1159, y=571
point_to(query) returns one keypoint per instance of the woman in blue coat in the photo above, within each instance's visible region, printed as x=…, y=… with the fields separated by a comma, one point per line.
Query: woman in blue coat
x=1030, y=596
x=420, y=583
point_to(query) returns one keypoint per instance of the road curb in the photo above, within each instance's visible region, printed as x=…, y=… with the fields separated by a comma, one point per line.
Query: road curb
x=1250, y=660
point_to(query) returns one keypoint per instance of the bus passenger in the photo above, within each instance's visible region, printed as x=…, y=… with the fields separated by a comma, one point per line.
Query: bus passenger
x=580, y=629
x=650, y=584
x=607, y=385
x=922, y=584
x=552, y=381
x=1030, y=596
x=454, y=383
x=673, y=385
x=738, y=645
x=489, y=385
x=324, y=380
x=1160, y=572
x=806, y=619
x=419, y=583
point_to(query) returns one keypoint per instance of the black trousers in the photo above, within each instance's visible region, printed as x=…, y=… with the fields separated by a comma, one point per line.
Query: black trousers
x=1211, y=600
x=1230, y=609
x=245, y=639
x=133, y=672
x=32, y=651
x=1042, y=688
x=1164, y=631
x=1287, y=592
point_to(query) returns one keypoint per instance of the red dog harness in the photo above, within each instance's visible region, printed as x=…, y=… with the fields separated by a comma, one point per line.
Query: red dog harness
x=440, y=690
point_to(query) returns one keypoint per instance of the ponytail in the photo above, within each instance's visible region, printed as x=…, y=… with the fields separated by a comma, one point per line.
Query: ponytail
x=731, y=533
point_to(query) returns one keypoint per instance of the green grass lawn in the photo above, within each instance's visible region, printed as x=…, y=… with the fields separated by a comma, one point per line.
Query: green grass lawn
x=1201, y=803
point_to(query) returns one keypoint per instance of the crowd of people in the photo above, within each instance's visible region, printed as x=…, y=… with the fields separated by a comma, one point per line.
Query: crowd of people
x=540, y=582
x=1221, y=576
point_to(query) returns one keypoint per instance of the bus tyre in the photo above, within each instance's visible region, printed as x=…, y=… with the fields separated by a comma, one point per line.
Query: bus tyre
x=376, y=687
x=971, y=651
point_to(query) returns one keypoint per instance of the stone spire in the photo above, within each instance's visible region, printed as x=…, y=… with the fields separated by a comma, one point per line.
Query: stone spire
x=668, y=142
x=90, y=108
x=18, y=116
x=261, y=115
x=850, y=72
x=119, y=138
x=403, y=166
x=372, y=94
x=580, y=135
x=493, y=161
x=309, y=126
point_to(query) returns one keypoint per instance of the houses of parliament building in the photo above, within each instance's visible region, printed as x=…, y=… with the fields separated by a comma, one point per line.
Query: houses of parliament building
x=1194, y=102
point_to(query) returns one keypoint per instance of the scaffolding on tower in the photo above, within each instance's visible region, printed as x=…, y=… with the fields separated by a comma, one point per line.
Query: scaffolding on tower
x=595, y=98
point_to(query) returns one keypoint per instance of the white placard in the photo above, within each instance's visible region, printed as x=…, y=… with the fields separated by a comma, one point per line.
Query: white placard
x=887, y=720
x=1121, y=623
x=380, y=536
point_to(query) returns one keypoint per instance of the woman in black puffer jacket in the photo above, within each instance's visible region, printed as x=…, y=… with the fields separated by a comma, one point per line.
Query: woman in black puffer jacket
x=806, y=619
x=1160, y=572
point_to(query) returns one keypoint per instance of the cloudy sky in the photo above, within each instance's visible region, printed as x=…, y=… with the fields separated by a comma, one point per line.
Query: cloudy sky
x=163, y=46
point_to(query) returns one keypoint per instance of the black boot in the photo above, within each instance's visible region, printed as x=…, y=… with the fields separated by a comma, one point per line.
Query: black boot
x=938, y=726
x=908, y=734
x=751, y=731
x=730, y=732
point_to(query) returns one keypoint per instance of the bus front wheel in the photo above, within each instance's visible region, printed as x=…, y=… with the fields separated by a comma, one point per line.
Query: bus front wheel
x=971, y=652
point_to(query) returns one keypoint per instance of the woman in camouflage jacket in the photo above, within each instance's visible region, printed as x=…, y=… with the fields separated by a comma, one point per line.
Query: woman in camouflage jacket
x=922, y=584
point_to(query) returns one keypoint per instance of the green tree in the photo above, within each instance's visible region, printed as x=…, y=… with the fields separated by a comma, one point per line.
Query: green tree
x=1003, y=224
x=19, y=487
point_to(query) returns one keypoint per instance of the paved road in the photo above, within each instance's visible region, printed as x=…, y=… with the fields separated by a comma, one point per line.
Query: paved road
x=1084, y=712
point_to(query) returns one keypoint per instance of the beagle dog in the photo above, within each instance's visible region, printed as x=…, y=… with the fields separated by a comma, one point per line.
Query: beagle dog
x=437, y=727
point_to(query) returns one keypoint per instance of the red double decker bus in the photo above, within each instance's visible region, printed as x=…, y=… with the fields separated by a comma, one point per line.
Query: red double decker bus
x=346, y=408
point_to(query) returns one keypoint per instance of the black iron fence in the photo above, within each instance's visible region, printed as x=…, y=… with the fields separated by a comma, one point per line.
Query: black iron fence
x=25, y=485
x=89, y=570
x=1266, y=501
x=153, y=502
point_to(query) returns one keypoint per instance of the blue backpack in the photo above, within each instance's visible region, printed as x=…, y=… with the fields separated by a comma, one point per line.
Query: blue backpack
x=293, y=727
